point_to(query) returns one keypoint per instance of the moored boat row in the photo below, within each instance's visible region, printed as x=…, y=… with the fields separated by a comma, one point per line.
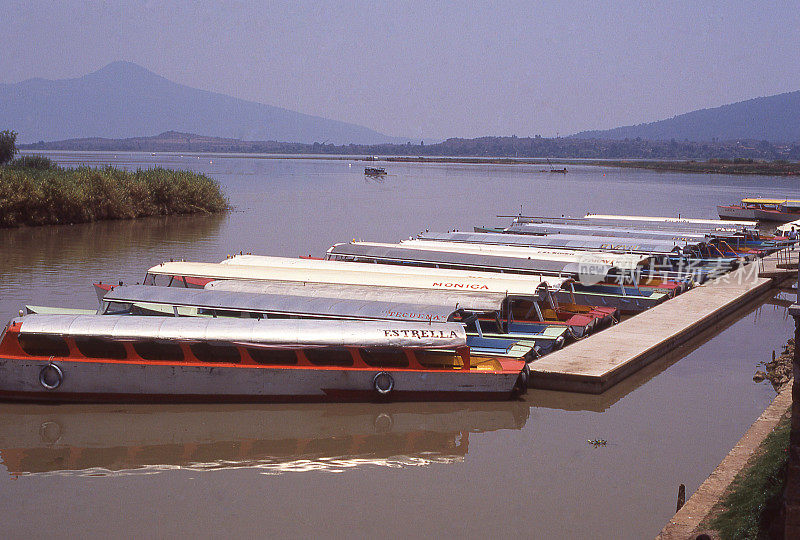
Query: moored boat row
x=441, y=316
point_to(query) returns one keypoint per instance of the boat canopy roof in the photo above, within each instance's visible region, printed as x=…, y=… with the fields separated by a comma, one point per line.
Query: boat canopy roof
x=559, y=228
x=649, y=227
x=409, y=255
x=566, y=241
x=278, y=333
x=349, y=267
x=476, y=301
x=770, y=201
x=319, y=271
x=677, y=229
x=268, y=302
x=625, y=261
x=698, y=222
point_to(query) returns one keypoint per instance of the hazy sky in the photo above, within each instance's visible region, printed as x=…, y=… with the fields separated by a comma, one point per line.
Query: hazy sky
x=426, y=69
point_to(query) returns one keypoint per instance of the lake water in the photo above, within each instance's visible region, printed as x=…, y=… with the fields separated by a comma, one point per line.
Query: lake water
x=466, y=469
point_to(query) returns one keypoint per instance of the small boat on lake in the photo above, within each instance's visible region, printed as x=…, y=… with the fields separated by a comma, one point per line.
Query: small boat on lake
x=374, y=171
x=121, y=358
x=780, y=210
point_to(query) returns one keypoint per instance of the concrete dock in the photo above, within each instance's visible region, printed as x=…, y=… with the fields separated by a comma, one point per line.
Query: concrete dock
x=780, y=264
x=600, y=361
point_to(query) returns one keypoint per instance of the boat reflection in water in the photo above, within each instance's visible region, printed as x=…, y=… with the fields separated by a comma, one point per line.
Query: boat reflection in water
x=134, y=439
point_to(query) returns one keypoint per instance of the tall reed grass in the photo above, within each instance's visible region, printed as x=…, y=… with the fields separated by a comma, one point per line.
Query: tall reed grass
x=54, y=195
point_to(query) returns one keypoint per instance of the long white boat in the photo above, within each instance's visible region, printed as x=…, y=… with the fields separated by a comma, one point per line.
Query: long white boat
x=486, y=332
x=596, y=283
x=124, y=358
x=713, y=224
x=525, y=288
x=254, y=268
x=621, y=261
x=609, y=244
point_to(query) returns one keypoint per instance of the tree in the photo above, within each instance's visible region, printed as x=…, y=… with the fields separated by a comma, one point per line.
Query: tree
x=8, y=145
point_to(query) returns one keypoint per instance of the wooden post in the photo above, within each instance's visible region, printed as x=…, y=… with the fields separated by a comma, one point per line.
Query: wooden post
x=464, y=353
x=681, y=497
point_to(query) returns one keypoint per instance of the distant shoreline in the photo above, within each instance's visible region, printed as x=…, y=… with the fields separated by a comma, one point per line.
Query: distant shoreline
x=712, y=166
x=532, y=150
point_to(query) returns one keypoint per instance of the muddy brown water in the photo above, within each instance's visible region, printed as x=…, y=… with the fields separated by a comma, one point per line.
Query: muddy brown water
x=467, y=469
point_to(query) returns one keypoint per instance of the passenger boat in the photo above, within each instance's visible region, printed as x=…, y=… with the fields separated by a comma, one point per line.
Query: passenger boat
x=727, y=236
x=780, y=210
x=680, y=238
x=129, y=358
x=257, y=268
x=695, y=223
x=525, y=288
x=738, y=234
x=374, y=171
x=484, y=313
x=594, y=283
x=696, y=247
x=583, y=319
x=671, y=261
x=343, y=303
x=584, y=266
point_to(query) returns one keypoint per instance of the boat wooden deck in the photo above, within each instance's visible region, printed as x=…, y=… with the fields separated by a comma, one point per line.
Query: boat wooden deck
x=595, y=364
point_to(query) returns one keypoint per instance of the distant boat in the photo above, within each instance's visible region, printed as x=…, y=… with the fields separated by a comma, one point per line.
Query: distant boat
x=780, y=210
x=553, y=169
x=374, y=171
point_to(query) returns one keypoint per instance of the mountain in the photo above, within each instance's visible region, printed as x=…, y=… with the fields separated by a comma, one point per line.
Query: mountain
x=124, y=99
x=775, y=119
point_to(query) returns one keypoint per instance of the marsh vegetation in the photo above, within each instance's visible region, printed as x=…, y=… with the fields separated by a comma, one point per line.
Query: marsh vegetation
x=35, y=191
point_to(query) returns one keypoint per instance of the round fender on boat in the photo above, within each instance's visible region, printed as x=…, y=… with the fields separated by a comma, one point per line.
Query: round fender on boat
x=51, y=376
x=521, y=386
x=383, y=383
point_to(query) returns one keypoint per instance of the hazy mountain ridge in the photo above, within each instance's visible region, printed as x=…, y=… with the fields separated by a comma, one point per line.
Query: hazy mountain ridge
x=124, y=100
x=773, y=118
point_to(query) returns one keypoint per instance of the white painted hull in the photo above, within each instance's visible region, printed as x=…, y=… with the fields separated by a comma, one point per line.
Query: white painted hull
x=96, y=381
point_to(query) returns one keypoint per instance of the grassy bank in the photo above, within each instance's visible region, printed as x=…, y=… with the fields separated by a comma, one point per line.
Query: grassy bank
x=715, y=166
x=754, y=499
x=33, y=191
